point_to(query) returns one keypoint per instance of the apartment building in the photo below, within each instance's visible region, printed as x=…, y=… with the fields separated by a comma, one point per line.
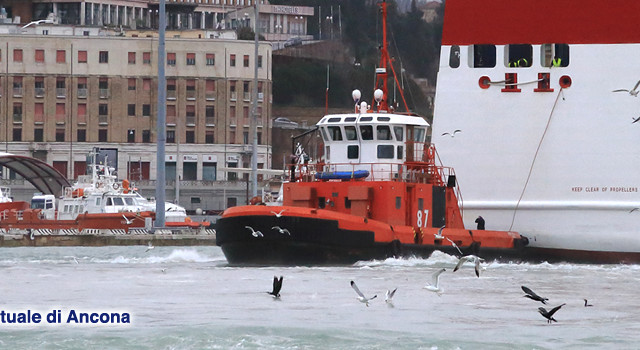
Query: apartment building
x=60, y=96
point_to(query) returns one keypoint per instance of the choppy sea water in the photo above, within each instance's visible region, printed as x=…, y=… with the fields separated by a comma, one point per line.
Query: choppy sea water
x=198, y=302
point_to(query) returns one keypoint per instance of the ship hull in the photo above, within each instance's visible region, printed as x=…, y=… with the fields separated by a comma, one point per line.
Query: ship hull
x=324, y=240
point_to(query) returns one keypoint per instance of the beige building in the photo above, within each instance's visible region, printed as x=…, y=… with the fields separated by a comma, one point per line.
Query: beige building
x=60, y=96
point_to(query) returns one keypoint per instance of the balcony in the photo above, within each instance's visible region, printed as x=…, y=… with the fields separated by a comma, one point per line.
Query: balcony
x=103, y=119
x=191, y=120
x=104, y=93
x=210, y=96
x=39, y=92
x=17, y=92
x=82, y=92
x=191, y=95
x=233, y=95
x=210, y=121
x=61, y=92
x=246, y=96
x=17, y=118
x=171, y=94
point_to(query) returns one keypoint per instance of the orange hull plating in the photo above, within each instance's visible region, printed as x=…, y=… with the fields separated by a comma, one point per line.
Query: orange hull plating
x=31, y=219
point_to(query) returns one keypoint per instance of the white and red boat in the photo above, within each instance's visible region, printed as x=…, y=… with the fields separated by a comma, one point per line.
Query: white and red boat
x=95, y=204
x=380, y=191
x=545, y=94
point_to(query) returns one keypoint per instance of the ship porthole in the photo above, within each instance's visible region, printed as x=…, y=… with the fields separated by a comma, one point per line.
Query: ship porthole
x=484, y=82
x=565, y=81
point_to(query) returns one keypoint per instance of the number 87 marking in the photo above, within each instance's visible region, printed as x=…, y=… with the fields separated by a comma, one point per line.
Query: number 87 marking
x=419, y=216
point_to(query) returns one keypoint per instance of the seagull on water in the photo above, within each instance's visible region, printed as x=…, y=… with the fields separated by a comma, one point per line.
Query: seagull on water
x=549, y=314
x=361, y=296
x=586, y=304
x=452, y=134
x=281, y=230
x=470, y=258
x=633, y=92
x=127, y=221
x=435, y=287
x=279, y=214
x=388, y=297
x=533, y=296
x=277, y=285
x=149, y=247
x=254, y=232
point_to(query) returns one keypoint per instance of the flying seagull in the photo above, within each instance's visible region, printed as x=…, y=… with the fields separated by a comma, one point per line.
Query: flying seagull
x=586, y=303
x=452, y=134
x=634, y=209
x=533, y=296
x=277, y=285
x=439, y=234
x=549, y=314
x=454, y=244
x=361, y=296
x=279, y=214
x=633, y=92
x=466, y=258
x=76, y=261
x=635, y=120
x=281, y=230
x=388, y=297
x=127, y=221
x=435, y=287
x=149, y=247
x=254, y=232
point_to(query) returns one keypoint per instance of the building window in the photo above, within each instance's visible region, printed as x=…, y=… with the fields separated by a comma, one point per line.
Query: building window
x=39, y=56
x=38, y=135
x=60, y=113
x=103, y=109
x=131, y=110
x=191, y=89
x=103, y=87
x=17, y=86
x=191, y=115
x=61, y=56
x=171, y=136
x=103, y=57
x=82, y=56
x=17, y=112
x=245, y=61
x=171, y=89
x=232, y=90
x=260, y=61
x=61, y=87
x=146, y=84
x=38, y=113
x=209, y=115
x=59, y=135
x=191, y=59
x=17, y=134
x=131, y=84
x=209, y=137
x=17, y=55
x=82, y=113
x=102, y=135
x=82, y=135
x=191, y=136
x=210, y=90
x=39, y=87
x=146, y=136
x=232, y=60
x=132, y=57
x=146, y=58
x=131, y=136
x=146, y=110
x=171, y=59
x=245, y=137
x=82, y=87
x=211, y=59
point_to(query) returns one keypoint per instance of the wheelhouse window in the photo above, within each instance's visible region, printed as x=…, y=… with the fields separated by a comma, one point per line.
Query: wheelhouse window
x=554, y=55
x=454, y=56
x=353, y=151
x=336, y=134
x=366, y=132
x=350, y=133
x=484, y=56
x=383, y=132
x=397, y=130
x=418, y=135
x=519, y=55
x=386, y=151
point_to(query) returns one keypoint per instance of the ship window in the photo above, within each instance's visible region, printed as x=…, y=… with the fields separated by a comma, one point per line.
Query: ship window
x=398, y=131
x=484, y=56
x=350, y=119
x=118, y=201
x=554, y=55
x=420, y=204
x=383, y=119
x=418, y=135
x=129, y=201
x=366, y=132
x=350, y=133
x=400, y=152
x=383, y=132
x=324, y=134
x=82, y=208
x=327, y=153
x=75, y=209
x=336, y=134
x=334, y=120
x=109, y=202
x=385, y=151
x=519, y=55
x=66, y=209
x=98, y=201
x=366, y=119
x=398, y=202
x=454, y=56
x=353, y=151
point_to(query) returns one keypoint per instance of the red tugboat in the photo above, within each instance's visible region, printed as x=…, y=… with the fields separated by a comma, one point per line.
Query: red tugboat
x=379, y=192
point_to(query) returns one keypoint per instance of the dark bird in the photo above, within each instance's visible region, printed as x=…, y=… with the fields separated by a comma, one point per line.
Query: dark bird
x=634, y=209
x=634, y=92
x=586, y=304
x=277, y=285
x=635, y=120
x=361, y=298
x=549, y=314
x=533, y=296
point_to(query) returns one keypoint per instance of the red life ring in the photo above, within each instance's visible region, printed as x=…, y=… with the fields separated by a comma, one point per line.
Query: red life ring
x=484, y=82
x=565, y=81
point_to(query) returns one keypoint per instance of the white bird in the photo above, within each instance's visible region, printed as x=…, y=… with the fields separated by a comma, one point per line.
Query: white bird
x=435, y=287
x=454, y=244
x=452, y=134
x=149, y=247
x=633, y=92
x=361, y=296
x=127, y=221
x=439, y=234
x=254, y=232
x=281, y=230
x=75, y=260
x=279, y=214
x=388, y=297
x=470, y=258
